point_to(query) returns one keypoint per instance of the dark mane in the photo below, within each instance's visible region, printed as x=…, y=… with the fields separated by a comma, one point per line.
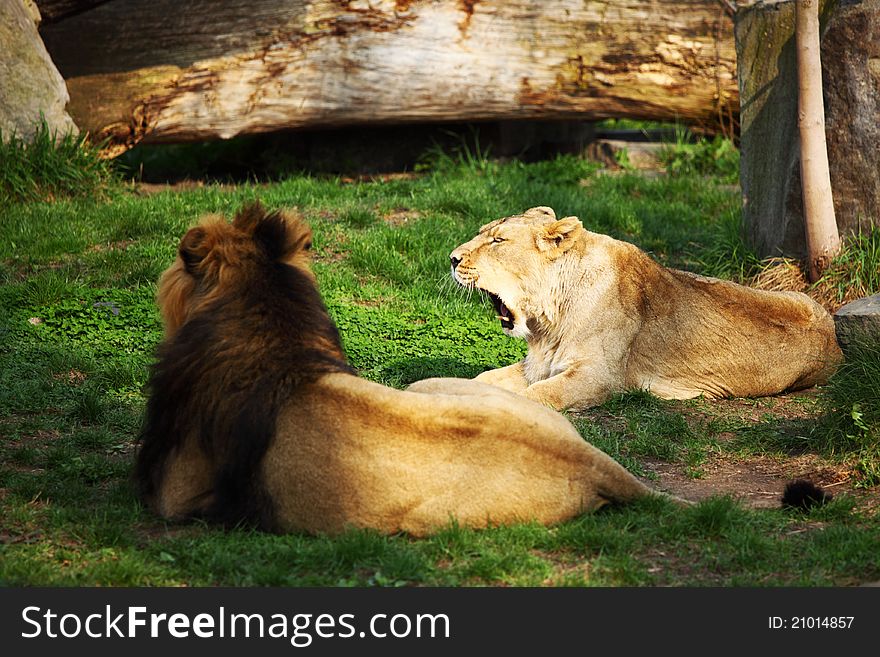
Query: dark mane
x=224, y=376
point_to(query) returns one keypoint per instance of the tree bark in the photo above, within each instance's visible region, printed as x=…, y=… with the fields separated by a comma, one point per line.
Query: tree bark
x=174, y=71
x=823, y=241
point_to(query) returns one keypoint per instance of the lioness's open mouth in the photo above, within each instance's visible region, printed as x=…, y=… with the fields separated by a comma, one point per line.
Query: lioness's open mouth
x=502, y=311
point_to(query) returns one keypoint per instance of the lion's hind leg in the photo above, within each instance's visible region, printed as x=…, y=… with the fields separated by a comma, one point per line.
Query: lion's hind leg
x=453, y=386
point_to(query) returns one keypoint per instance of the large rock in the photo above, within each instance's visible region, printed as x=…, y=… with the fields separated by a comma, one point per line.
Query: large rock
x=770, y=171
x=30, y=85
x=859, y=319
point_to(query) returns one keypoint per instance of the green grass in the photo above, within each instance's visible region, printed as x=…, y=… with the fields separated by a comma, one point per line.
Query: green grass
x=634, y=124
x=717, y=156
x=78, y=327
x=651, y=428
x=50, y=166
x=852, y=400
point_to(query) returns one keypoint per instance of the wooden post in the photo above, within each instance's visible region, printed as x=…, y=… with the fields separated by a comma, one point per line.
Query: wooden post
x=820, y=224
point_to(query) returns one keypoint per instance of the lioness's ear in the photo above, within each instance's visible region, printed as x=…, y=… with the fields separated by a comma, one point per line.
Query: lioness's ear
x=561, y=234
x=541, y=212
x=193, y=248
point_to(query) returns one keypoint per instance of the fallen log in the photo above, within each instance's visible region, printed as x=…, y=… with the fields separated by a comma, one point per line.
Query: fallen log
x=53, y=10
x=170, y=71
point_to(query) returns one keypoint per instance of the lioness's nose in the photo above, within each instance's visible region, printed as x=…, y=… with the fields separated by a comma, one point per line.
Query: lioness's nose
x=455, y=261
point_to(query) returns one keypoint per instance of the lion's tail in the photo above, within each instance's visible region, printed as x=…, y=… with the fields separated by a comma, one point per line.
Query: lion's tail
x=619, y=485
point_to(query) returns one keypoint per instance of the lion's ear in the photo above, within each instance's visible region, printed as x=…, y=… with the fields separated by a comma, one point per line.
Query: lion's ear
x=299, y=237
x=282, y=236
x=194, y=246
x=561, y=235
x=174, y=296
x=249, y=216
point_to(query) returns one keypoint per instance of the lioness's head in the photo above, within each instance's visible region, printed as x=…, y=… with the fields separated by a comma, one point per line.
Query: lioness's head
x=510, y=260
x=212, y=255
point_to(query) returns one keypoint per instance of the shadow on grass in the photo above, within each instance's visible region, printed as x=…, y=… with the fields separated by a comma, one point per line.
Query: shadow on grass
x=822, y=436
x=404, y=372
x=790, y=436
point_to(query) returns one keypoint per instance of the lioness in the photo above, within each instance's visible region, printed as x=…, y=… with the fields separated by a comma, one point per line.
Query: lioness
x=255, y=416
x=600, y=316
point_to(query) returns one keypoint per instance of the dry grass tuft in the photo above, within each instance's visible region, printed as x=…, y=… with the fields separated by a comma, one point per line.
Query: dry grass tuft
x=852, y=275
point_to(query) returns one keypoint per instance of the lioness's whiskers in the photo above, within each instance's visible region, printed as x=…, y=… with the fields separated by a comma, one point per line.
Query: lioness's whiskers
x=449, y=288
x=443, y=285
x=470, y=290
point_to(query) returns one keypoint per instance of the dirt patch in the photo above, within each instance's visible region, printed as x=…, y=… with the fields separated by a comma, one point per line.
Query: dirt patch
x=119, y=245
x=8, y=538
x=147, y=189
x=149, y=532
x=792, y=409
x=380, y=177
x=39, y=437
x=331, y=256
x=72, y=376
x=323, y=215
x=758, y=481
x=568, y=569
x=400, y=216
x=699, y=413
x=670, y=568
x=377, y=302
x=335, y=247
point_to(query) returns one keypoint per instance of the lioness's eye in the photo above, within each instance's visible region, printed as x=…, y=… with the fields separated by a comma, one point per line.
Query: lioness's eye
x=495, y=240
x=307, y=246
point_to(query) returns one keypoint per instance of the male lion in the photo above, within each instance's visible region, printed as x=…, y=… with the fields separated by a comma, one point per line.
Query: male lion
x=600, y=316
x=254, y=415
